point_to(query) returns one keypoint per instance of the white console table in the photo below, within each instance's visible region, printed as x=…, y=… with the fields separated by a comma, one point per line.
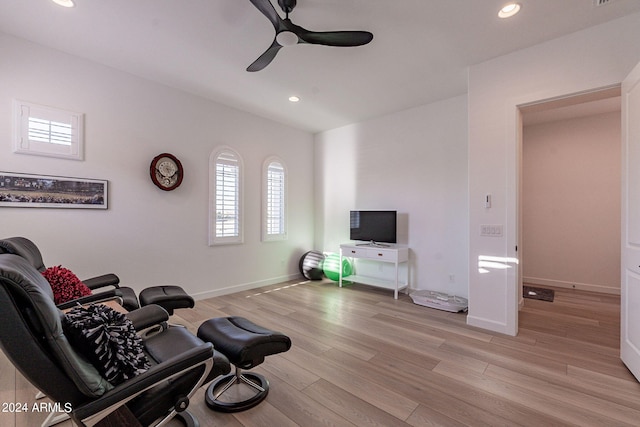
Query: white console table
x=395, y=254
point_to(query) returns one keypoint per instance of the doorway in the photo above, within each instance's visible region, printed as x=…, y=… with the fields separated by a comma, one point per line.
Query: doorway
x=569, y=192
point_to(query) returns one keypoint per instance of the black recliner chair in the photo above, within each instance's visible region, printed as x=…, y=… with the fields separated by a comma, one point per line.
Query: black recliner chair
x=31, y=336
x=28, y=250
x=169, y=297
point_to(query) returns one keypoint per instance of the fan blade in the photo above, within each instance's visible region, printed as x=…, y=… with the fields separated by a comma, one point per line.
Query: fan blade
x=335, y=38
x=266, y=58
x=269, y=11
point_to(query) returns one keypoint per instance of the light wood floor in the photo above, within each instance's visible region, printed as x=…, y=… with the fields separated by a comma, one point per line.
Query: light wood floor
x=361, y=358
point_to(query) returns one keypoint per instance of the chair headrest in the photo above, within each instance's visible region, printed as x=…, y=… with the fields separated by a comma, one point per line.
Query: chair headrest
x=22, y=273
x=25, y=248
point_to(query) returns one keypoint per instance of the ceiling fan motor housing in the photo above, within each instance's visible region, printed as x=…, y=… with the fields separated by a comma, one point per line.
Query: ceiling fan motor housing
x=287, y=5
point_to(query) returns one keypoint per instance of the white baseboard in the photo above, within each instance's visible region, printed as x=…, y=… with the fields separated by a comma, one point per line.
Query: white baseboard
x=605, y=289
x=245, y=286
x=490, y=325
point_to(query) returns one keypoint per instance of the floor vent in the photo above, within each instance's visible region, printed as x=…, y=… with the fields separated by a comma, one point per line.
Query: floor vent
x=601, y=2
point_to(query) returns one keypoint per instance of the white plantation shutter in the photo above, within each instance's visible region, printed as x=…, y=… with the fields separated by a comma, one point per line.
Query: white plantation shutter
x=227, y=196
x=47, y=131
x=226, y=209
x=274, y=209
x=275, y=199
x=42, y=130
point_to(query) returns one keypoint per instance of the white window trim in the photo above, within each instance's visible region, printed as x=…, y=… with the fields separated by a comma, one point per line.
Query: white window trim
x=266, y=237
x=213, y=238
x=23, y=144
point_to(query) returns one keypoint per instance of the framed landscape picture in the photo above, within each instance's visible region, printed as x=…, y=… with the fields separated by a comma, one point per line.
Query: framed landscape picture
x=42, y=191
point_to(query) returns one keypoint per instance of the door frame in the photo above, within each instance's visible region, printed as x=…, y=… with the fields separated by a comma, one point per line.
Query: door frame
x=539, y=105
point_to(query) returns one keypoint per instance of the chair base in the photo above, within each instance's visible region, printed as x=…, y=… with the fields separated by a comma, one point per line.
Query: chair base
x=256, y=382
x=187, y=419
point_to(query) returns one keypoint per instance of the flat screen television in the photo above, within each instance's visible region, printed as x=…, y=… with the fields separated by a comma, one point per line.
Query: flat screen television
x=373, y=226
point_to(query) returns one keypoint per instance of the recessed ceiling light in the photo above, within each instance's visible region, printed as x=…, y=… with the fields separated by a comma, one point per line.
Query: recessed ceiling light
x=509, y=10
x=64, y=3
x=294, y=98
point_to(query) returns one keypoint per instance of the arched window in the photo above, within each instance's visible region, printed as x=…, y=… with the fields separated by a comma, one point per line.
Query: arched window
x=274, y=202
x=225, y=197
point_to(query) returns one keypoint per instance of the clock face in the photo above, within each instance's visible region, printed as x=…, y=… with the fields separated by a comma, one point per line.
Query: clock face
x=167, y=168
x=166, y=171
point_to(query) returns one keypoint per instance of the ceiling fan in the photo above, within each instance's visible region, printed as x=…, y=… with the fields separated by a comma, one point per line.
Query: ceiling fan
x=288, y=33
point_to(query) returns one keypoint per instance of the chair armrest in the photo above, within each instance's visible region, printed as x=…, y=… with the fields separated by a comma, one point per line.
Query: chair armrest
x=113, y=294
x=102, y=281
x=149, y=315
x=121, y=394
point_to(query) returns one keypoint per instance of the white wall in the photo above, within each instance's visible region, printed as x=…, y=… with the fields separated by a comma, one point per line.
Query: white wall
x=415, y=162
x=571, y=203
x=148, y=236
x=594, y=58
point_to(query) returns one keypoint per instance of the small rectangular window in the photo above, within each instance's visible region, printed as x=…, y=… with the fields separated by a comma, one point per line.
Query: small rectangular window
x=47, y=131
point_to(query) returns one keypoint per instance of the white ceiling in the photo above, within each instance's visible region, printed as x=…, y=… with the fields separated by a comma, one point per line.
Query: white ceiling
x=420, y=51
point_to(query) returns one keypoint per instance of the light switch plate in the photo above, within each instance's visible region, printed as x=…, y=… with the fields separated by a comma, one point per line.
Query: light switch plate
x=491, y=230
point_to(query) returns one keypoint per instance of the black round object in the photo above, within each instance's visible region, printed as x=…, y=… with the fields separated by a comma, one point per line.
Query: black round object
x=219, y=385
x=311, y=265
x=287, y=5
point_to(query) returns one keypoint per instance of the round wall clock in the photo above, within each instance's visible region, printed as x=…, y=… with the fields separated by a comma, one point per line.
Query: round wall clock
x=166, y=171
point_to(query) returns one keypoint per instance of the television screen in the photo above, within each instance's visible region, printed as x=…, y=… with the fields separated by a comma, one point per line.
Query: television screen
x=373, y=226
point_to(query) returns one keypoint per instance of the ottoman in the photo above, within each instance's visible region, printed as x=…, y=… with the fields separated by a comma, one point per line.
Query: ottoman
x=246, y=345
x=169, y=297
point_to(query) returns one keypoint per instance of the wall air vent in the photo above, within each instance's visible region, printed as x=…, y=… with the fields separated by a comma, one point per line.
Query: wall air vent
x=601, y=2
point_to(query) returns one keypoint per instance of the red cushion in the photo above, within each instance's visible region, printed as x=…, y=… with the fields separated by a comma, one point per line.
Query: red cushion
x=65, y=285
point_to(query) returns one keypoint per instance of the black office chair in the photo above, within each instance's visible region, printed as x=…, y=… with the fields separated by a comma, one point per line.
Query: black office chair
x=28, y=250
x=32, y=337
